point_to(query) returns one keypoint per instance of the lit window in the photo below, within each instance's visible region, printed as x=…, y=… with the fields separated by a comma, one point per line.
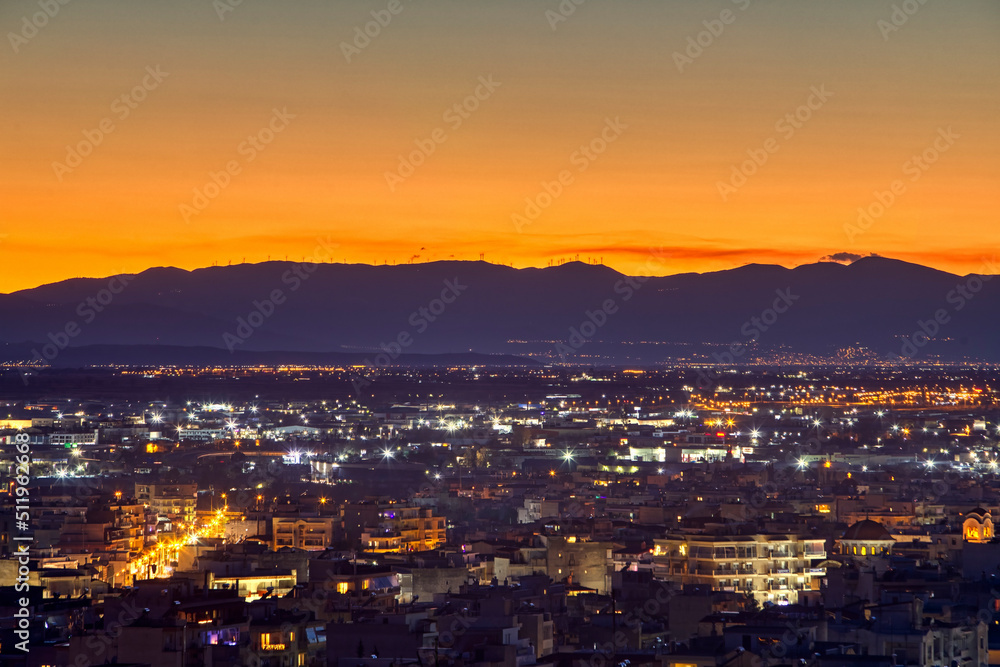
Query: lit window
x=342, y=587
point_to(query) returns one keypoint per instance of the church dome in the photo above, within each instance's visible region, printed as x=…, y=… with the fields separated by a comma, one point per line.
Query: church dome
x=867, y=531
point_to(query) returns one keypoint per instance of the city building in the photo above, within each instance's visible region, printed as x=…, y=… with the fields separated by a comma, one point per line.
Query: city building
x=771, y=568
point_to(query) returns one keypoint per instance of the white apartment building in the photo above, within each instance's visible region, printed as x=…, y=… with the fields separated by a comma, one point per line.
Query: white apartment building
x=774, y=568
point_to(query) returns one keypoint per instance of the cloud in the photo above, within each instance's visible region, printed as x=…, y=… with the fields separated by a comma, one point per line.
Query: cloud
x=689, y=252
x=846, y=257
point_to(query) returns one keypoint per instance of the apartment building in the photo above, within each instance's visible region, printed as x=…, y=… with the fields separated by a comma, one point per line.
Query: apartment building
x=309, y=533
x=405, y=528
x=773, y=568
x=177, y=502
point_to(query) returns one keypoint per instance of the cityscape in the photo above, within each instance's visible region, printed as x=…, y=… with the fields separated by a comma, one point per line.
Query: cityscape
x=500, y=333
x=475, y=514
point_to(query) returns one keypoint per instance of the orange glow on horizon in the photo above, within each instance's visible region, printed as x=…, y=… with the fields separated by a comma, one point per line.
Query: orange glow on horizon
x=257, y=138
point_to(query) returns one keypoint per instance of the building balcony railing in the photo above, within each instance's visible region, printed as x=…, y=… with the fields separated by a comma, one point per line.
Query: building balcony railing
x=719, y=571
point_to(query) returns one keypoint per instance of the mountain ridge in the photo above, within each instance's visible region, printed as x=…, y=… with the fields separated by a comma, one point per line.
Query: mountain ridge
x=455, y=306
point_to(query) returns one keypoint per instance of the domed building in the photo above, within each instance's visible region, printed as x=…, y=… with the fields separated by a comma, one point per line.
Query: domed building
x=977, y=526
x=865, y=539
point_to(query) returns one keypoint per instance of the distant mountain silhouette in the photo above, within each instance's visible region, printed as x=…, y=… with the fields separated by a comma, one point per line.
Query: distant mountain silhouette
x=589, y=313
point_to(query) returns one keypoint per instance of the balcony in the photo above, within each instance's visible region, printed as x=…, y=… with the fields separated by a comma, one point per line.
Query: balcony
x=719, y=571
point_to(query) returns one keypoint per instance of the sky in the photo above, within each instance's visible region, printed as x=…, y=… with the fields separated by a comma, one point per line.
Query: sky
x=719, y=133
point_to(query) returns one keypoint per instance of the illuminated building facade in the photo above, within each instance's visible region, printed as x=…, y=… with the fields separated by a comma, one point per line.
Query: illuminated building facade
x=772, y=568
x=405, y=528
x=978, y=526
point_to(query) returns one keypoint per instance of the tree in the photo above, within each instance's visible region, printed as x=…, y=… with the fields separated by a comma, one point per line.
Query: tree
x=482, y=458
